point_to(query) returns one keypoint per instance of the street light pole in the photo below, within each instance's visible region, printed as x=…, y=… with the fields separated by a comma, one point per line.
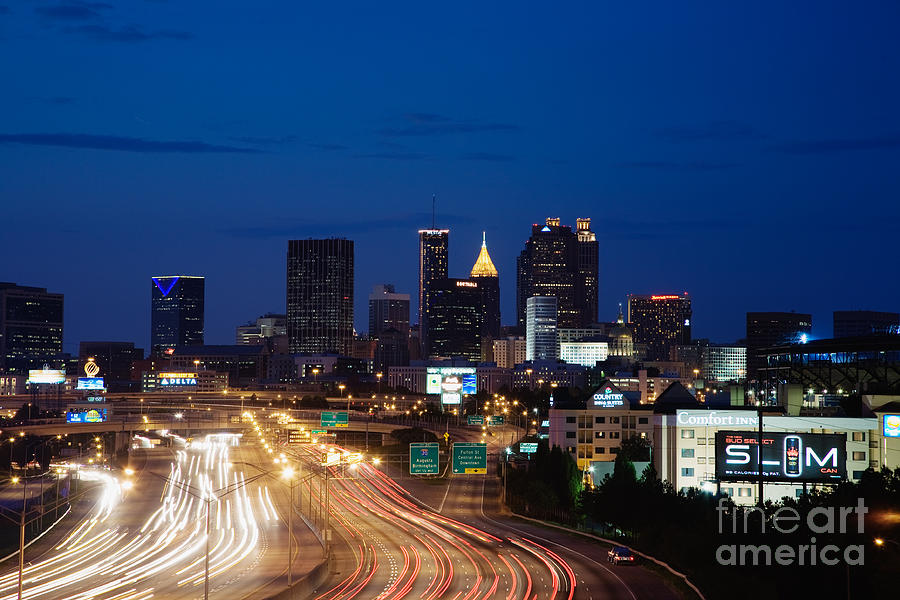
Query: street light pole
x=291, y=543
x=206, y=560
x=22, y=533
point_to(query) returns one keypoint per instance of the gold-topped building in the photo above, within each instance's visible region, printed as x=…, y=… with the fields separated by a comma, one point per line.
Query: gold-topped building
x=485, y=273
x=484, y=266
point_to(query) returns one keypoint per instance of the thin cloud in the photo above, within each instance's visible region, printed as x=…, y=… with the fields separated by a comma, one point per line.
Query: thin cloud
x=128, y=34
x=393, y=155
x=718, y=131
x=427, y=124
x=264, y=141
x=679, y=166
x=72, y=10
x=55, y=100
x=119, y=143
x=487, y=156
x=4, y=10
x=327, y=147
x=406, y=222
x=837, y=145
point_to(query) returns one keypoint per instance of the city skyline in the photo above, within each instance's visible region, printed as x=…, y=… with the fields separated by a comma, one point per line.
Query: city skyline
x=701, y=169
x=222, y=332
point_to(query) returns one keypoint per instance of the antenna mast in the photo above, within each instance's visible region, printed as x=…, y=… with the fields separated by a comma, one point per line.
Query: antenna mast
x=433, y=200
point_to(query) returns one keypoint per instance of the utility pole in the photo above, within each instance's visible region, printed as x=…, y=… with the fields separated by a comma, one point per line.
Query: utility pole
x=22, y=528
x=206, y=561
x=759, y=447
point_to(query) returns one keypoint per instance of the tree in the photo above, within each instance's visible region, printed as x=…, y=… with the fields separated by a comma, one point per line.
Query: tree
x=634, y=449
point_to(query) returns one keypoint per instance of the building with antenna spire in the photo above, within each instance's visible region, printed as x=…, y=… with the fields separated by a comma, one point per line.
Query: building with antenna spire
x=434, y=248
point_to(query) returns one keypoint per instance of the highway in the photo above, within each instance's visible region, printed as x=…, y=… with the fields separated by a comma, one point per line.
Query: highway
x=145, y=536
x=394, y=547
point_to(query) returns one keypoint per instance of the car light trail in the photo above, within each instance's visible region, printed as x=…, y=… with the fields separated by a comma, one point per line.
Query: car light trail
x=99, y=560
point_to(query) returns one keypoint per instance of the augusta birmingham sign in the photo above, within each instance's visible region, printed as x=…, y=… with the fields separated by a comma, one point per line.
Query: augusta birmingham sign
x=828, y=521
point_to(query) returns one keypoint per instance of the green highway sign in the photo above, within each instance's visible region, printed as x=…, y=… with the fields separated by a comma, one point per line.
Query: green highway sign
x=469, y=458
x=335, y=419
x=319, y=431
x=527, y=447
x=495, y=420
x=476, y=420
x=423, y=458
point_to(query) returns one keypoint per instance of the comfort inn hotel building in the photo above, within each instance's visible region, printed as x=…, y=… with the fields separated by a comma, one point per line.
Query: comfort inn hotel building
x=682, y=433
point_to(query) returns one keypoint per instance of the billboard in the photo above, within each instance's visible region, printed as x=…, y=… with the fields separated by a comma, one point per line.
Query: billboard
x=90, y=383
x=609, y=398
x=46, y=376
x=811, y=457
x=169, y=379
x=86, y=415
x=891, y=425
x=455, y=382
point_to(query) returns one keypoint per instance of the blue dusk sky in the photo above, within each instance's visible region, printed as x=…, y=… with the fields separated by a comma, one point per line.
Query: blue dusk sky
x=745, y=152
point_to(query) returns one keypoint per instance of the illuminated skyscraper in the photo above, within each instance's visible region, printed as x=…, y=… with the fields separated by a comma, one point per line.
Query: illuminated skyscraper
x=455, y=320
x=559, y=262
x=540, y=328
x=661, y=322
x=31, y=327
x=588, y=265
x=176, y=311
x=433, y=253
x=485, y=273
x=320, y=296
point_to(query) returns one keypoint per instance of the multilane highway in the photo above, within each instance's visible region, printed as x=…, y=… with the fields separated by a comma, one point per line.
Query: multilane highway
x=394, y=547
x=146, y=535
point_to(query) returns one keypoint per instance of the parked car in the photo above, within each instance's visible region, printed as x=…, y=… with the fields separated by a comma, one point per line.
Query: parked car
x=620, y=554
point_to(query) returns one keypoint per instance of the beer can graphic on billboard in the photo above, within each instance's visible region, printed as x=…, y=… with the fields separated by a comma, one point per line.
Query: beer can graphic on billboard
x=792, y=452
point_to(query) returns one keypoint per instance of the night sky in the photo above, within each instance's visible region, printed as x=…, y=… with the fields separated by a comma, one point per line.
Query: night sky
x=747, y=154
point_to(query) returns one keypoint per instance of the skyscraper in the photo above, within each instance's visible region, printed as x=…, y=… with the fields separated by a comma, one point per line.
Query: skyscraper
x=433, y=253
x=766, y=329
x=588, y=265
x=320, y=295
x=661, y=322
x=559, y=262
x=31, y=327
x=485, y=274
x=541, y=314
x=176, y=311
x=388, y=310
x=455, y=319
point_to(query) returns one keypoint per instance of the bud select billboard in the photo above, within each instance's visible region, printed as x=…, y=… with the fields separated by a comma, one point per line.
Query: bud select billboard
x=811, y=457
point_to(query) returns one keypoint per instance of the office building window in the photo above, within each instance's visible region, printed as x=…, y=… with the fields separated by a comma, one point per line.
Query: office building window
x=614, y=450
x=614, y=420
x=570, y=419
x=859, y=456
x=701, y=460
x=599, y=435
x=745, y=492
x=643, y=420
x=599, y=420
x=858, y=474
x=599, y=450
x=687, y=453
x=687, y=434
x=614, y=435
x=570, y=434
x=859, y=436
x=687, y=472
